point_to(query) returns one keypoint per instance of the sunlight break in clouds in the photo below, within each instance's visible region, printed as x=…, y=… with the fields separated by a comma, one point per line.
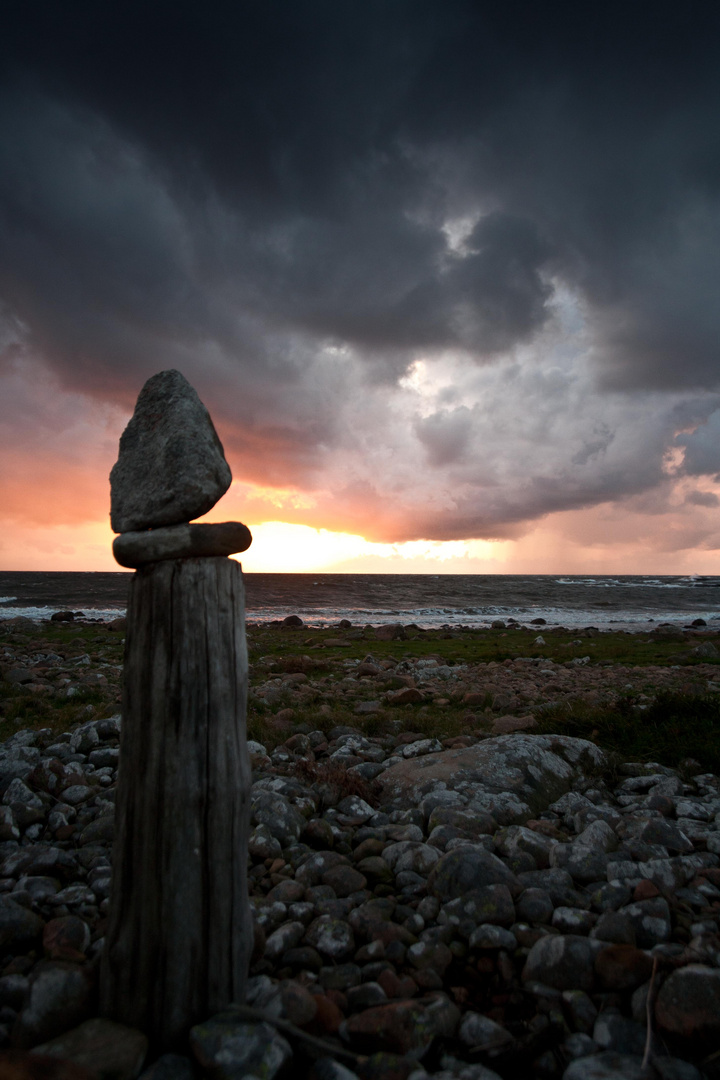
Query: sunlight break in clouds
x=298, y=548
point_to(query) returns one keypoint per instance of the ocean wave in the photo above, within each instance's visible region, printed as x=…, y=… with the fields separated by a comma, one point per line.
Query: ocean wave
x=694, y=581
x=427, y=600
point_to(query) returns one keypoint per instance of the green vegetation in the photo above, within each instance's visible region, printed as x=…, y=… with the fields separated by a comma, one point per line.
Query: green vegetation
x=671, y=729
x=20, y=708
x=482, y=646
x=667, y=728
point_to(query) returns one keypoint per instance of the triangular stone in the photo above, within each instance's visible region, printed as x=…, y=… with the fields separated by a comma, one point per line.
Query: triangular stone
x=171, y=467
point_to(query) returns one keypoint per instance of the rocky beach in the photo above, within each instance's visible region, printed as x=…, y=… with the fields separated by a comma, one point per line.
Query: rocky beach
x=441, y=884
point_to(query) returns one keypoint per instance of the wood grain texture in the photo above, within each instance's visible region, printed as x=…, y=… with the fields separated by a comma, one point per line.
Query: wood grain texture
x=180, y=933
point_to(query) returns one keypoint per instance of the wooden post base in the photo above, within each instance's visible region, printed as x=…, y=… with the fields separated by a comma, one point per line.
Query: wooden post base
x=180, y=935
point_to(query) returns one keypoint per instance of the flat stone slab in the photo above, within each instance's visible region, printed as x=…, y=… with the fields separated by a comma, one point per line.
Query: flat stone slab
x=525, y=772
x=171, y=467
x=134, y=549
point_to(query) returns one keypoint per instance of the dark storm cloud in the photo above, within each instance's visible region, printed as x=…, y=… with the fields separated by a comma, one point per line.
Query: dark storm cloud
x=317, y=124
x=233, y=188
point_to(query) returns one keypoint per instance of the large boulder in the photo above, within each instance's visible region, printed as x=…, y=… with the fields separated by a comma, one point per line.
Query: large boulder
x=514, y=777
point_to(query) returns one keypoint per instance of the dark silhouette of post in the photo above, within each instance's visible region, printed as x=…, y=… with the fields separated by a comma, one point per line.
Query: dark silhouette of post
x=179, y=932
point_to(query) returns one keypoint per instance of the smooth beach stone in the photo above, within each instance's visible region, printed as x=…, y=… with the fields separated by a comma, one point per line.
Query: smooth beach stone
x=19, y=928
x=60, y=996
x=606, y=1066
x=227, y=1046
x=478, y=1030
x=468, y=868
x=134, y=549
x=101, y=1045
x=688, y=1004
x=171, y=467
x=564, y=962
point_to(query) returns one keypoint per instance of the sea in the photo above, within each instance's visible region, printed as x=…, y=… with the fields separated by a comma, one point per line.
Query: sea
x=632, y=602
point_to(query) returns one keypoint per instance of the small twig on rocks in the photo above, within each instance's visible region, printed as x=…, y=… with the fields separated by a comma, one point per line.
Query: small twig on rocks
x=648, y=1013
x=248, y=1012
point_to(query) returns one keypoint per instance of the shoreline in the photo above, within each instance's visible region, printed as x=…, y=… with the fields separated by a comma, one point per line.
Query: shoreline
x=627, y=602
x=412, y=620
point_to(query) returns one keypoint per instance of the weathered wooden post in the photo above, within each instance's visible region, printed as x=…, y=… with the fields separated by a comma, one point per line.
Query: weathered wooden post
x=179, y=932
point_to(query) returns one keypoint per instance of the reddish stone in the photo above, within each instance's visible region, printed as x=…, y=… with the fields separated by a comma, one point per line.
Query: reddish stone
x=318, y=834
x=390, y=983
x=65, y=832
x=429, y=979
x=688, y=1005
x=460, y=994
x=711, y=874
x=661, y=803
x=397, y=1028
x=338, y=998
x=475, y=697
x=645, y=890
x=344, y=880
x=388, y=932
x=390, y=632
x=20, y=1065
x=395, y=987
x=328, y=1016
x=506, y=725
x=299, y=1005
x=112, y=1050
x=66, y=938
x=622, y=967
x=408, y=696
x=408, y=986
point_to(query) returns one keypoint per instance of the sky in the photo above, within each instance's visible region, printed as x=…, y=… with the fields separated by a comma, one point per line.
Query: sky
x=445, y=273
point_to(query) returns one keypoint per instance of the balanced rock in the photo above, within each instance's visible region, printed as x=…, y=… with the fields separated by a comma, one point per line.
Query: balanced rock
x=171, y=467
x=134, y=549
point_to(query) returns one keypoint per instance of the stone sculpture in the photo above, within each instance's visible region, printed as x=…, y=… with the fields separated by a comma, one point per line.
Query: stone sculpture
x=179, y=932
